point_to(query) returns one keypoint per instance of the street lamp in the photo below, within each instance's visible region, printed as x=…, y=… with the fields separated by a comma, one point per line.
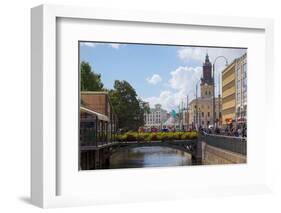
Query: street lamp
x=214, y=105
x=197, y=104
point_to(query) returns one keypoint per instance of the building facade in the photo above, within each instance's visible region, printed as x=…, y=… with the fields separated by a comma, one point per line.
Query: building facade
x=98, y=122
x=207, y=81
x=241, y=89
x=228, y=94
x=234, y=92
x=156, y=117
x=201, y=112
x=200, y=109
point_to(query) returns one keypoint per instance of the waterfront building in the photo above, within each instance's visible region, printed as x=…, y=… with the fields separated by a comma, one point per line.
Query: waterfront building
x=201, y=112
x=234, y=91
x=98, y=122
x=241, y=89
x=155, y=117
x=229, y=94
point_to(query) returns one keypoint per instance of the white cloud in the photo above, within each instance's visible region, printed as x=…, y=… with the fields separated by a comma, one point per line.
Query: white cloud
x=190, y=53
x=183, y=80
x=166, y=99
x=155, y=79
x=197, y=55
x=116, y=46
x=88, y=44
x=93, y=44
x=181, y=83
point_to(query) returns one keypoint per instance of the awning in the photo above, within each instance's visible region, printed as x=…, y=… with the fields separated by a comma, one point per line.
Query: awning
x=100, y=116
x=241, y=119
x=228, y=120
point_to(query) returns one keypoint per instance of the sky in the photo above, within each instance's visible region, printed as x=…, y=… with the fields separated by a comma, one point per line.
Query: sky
x=160, y=74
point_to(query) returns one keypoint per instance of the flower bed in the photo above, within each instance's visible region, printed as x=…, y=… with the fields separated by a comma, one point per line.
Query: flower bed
x=156, y=136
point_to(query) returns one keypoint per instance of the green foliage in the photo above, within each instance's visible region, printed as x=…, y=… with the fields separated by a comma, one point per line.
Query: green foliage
x=90, y=81
x=167, y=136
x=193, y=135
x=127, y=106
x=131, y=136
x=156, y=136
x=185, y=136
x=140, y=137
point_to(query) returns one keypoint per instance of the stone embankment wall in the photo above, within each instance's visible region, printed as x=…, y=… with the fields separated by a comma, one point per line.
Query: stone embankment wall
x=214, y=155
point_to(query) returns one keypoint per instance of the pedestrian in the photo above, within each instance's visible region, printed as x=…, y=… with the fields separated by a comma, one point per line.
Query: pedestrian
x=235, y=132
x=239, y=131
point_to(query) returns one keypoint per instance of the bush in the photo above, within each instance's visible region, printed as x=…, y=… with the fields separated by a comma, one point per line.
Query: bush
x=140, y=137
x=156, y=136
x=167, y=136
x=131, y=136
x=164, y=136
x=193, y=135
x=153, y=137
x=185, y=136
x=176, y=135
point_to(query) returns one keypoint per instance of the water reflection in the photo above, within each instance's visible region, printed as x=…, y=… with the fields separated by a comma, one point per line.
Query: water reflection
x=149, y=157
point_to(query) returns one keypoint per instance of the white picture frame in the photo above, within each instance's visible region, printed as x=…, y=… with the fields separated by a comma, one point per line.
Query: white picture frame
x=45, y=178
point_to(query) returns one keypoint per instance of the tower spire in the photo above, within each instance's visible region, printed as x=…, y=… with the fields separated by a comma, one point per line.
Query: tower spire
x=207, y=71
x=207, y=79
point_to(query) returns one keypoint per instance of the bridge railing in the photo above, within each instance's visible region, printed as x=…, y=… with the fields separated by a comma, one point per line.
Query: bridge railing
x=233, y=144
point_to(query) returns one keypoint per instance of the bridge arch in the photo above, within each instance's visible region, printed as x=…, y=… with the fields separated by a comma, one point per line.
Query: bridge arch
x=189, y=146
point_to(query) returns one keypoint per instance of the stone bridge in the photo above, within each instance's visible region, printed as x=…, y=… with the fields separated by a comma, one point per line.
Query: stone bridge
x=206, y=149
x=98, y=155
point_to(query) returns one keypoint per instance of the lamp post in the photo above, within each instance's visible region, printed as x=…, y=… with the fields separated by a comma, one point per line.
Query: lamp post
x=197, y=104
x=214, y=105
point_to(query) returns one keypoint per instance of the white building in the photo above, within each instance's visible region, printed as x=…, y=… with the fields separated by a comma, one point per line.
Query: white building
x=156, y=117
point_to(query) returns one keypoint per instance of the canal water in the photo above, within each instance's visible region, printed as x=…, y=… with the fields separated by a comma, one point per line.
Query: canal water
x=140, y=157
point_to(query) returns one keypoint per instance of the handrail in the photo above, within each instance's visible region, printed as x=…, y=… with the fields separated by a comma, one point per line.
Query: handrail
x=230, y=143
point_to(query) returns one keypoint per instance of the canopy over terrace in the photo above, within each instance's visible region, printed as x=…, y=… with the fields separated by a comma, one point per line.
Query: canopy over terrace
x=98, y=122
x=92, y=112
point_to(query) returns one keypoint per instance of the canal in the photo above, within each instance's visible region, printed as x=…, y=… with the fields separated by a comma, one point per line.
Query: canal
x=140, y=157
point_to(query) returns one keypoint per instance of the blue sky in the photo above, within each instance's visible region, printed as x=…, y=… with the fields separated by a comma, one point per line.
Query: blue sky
x=160, y=74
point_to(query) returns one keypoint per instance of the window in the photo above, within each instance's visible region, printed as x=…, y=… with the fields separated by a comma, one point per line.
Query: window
x=238, y=74
x=238, y=97
x=245, y=84
x=202, y=114
x=244, y=97
x=208, y=114
x=245, y=70
x=238, y=110
x=238, y=84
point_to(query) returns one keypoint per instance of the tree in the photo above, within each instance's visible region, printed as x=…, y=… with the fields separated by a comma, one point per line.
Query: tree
x=90, y=81
x=144, y=108
x=127, y=106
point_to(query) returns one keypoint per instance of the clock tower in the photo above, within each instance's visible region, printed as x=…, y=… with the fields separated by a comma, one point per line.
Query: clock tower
x=207, y=81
